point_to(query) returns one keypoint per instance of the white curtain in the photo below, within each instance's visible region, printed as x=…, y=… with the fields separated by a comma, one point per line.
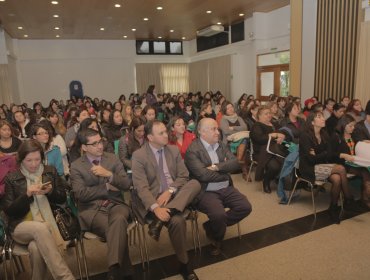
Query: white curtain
x=5, y=87
x=220, y=75
x=175, y=77
x=198, y=76
x=148, y=74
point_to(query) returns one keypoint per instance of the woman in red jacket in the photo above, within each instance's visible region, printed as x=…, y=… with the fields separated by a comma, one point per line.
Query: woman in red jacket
x=178, y=135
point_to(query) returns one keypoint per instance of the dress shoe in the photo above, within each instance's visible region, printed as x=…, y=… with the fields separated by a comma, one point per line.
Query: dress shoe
x=352, y=206
x=215, y=244
x=187, y=273
x=334, y=213
x=155, y=228
x=266, y=186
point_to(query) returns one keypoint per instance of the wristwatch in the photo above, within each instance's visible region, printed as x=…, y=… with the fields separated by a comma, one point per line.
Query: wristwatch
x=171, y=191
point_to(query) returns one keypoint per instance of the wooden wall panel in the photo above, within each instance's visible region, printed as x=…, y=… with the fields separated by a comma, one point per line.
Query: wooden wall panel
x=336, y=47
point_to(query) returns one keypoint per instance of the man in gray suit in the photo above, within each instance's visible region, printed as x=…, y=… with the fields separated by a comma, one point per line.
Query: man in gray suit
x=97, y=180
x=163, y=189
x=210, y=162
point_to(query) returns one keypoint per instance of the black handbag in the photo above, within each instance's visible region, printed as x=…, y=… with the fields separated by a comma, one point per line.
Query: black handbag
x=279, y=150
x=67, y=223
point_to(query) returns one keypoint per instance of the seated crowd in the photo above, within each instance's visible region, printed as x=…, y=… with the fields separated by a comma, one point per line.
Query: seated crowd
x=171, y=152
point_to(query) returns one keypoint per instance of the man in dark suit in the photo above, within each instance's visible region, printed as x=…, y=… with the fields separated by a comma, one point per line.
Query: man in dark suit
x=97, y=180
x=362, y=128
x=163, y=188
x=210, y=162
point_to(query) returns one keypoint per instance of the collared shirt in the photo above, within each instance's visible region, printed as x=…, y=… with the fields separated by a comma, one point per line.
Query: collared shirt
x=165, y=167
x=91, y=159
x=211, y=150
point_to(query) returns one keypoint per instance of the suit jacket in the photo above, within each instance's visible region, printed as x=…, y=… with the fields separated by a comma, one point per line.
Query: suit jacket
x=90, y=190
x=197, y=160
x=146, y=177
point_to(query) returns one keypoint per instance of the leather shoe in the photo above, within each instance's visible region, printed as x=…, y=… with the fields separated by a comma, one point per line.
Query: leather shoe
x=215, y=244
x=155, y=228
x=266, y=186
x=186, y=273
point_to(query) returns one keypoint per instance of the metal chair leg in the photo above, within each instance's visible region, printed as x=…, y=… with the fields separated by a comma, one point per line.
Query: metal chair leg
x=294, y=188
x=249, y=171
x=141, y=250
x=78, y=258
x=145, y=245
x=313, y=200
x=4, y=251
x=239, y=231
x=84, y=257
x=10, y=252
x=193, y=232
x=197, y=232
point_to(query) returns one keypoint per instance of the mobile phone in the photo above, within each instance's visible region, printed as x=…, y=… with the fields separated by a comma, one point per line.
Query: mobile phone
x=43, y=185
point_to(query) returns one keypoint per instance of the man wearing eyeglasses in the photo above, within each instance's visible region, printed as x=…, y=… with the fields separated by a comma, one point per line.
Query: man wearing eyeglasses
x=97, y=180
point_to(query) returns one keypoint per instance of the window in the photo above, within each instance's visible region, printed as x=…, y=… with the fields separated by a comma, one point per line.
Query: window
x=144, y=47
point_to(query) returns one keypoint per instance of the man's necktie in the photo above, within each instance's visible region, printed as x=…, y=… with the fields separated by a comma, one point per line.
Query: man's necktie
x=164, y=185
x=95, y=162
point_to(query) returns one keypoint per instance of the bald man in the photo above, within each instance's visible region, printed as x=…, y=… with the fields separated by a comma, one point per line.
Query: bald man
x=210, y=162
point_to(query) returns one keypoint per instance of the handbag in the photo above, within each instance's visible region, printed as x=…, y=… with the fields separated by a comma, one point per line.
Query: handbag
x=276, y=149
x=67, y=223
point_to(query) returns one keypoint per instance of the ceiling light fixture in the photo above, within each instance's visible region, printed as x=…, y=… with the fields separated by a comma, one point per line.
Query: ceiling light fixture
x=57, y=36
x=172, y=30
x=54, y=2
x=25, y=36
x=145, y=19
x=117, y=5
x=20, y=27
x=159, y=8
x=102, y=28
x=241, y=15
x=56, y=28
x=133, y=29
x=183, y=38
x=55, y=16
x=125, y=36
x=219, y=23
x=159, y=37
x=209, y=12
x=2, y=0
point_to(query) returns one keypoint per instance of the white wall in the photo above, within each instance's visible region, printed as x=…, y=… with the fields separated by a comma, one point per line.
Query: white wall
x=43, y=69
x=308, y=48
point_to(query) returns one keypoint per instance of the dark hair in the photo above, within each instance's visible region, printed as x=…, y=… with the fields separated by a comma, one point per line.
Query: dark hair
x=150, y=89
x=122, y=96
x=147, y=108
x=84, y=134
x=224, y=106
x=329, y=100
x=148, y=128
x=87, y=122
x=5, y=122
x=29, y=146
x=47, y=123
x=351, y=108
x=309, y=128
x=289, y=107
x=317, y=107
x=111, y=117
x=35, y=127
x=343, y=121
x=338, y=106
x=135, y=123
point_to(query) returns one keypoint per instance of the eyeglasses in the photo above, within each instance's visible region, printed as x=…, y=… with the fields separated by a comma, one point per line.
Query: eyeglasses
x=42, y=133
x=95, y=144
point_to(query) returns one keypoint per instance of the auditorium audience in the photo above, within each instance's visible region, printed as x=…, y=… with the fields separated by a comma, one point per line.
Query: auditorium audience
x=179, y=136
x=331, y=123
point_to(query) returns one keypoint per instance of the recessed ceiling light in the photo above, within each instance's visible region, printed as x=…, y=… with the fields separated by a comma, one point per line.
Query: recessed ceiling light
x=117, y=5
x=172, y=30
x=20, y=27
x=56, y=28
x=159, y=8
x=145, y=19
x=219, y=23
x=183, y=38
x=2, y=0
x=25, y=36
x=55, y=16
x=241, y=15
x=102, y=28
x=159, y=37
x=54, y=2
x=209, y=12
x=11, y=15
x=125, y=36
x=133, y=29
x=57, y=36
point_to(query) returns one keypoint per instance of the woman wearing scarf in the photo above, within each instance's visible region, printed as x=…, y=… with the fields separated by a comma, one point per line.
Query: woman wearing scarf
x=27, y=204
